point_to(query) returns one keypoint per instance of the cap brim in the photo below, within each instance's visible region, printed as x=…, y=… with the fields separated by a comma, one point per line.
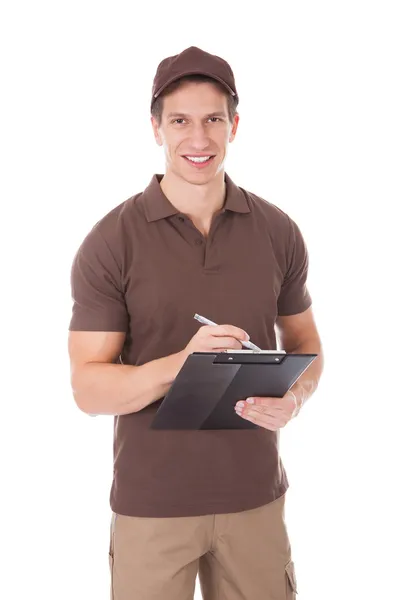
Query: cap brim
x=192, y=72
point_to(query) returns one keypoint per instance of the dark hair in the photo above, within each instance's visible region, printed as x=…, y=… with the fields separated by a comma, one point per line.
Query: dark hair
x=157, y=107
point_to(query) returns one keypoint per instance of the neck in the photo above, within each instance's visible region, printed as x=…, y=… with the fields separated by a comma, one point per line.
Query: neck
x=199, y=202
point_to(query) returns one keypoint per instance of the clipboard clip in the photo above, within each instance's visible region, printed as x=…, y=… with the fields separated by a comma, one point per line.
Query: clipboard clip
x=256, y=357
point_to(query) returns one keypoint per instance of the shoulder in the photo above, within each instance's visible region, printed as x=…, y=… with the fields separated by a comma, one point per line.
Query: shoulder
x=117, y=218
x=282, y=229
x=111, y=230
x=270, y=214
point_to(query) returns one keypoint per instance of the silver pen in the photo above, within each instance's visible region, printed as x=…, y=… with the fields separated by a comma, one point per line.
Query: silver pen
x=205, y=321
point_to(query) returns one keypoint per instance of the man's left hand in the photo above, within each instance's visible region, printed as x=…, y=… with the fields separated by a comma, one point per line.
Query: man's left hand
x=269, y=413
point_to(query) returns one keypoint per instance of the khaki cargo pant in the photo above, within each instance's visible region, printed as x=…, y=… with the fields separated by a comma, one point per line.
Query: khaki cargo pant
x=238, y=556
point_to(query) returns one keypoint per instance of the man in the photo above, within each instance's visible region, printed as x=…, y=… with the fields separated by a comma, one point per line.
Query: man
x=205, y=501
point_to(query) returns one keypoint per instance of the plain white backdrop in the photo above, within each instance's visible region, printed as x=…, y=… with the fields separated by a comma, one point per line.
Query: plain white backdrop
x=319, y=137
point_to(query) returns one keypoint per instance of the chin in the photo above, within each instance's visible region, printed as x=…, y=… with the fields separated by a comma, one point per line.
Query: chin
x=198, y=178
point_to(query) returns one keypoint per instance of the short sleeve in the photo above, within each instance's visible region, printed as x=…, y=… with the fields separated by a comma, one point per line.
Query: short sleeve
x=98, y=298
x=294, y=296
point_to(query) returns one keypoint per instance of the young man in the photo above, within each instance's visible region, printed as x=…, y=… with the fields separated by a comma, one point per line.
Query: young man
x=205, y=501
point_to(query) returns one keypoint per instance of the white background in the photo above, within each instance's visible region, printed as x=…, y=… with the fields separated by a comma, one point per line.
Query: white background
x=319, y=137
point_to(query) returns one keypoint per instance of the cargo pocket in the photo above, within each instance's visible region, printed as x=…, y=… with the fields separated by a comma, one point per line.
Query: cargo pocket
x=111, y=555
x=111, y=563
x=291, y=582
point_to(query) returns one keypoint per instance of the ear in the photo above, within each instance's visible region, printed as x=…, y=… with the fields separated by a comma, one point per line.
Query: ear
x=156, y=131
x=234, y=127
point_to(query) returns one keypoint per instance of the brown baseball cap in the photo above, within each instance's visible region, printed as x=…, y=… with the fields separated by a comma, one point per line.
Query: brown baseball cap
x=193, y=61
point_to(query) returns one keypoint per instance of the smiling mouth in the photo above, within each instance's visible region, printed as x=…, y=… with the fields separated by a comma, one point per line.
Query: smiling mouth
x=199, y=161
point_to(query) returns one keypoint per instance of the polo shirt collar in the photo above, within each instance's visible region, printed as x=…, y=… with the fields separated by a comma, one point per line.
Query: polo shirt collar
x=157, y=206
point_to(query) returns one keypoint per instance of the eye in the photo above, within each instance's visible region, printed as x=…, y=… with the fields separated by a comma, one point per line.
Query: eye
x=176, y=121
x=215, y=119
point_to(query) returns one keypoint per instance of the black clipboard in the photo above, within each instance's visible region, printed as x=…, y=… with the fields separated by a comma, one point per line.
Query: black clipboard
x=209, y=384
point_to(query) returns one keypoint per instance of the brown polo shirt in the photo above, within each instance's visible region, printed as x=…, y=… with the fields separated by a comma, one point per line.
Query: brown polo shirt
x=145, y=269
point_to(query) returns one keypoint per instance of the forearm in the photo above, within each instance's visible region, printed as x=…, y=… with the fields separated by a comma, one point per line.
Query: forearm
x=307, y=383
x=110, y=389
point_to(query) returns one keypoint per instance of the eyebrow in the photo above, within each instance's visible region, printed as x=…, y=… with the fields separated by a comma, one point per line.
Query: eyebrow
x=183, y=116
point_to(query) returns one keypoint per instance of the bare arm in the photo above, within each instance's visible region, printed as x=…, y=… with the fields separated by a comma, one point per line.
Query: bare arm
x=100, y=387
x=298, y=334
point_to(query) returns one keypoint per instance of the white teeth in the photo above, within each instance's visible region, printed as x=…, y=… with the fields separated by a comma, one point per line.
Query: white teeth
x=198, y=158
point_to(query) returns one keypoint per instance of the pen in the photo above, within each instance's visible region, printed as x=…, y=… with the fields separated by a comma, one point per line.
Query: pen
x=205, y=321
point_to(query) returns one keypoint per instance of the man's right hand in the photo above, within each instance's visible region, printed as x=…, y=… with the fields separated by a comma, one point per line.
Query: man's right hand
x=216, y=338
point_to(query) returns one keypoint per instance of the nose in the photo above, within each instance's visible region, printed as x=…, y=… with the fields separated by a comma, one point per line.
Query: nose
x=199, y=137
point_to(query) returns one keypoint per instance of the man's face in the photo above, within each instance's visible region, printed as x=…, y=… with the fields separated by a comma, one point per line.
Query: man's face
x=195, y=124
